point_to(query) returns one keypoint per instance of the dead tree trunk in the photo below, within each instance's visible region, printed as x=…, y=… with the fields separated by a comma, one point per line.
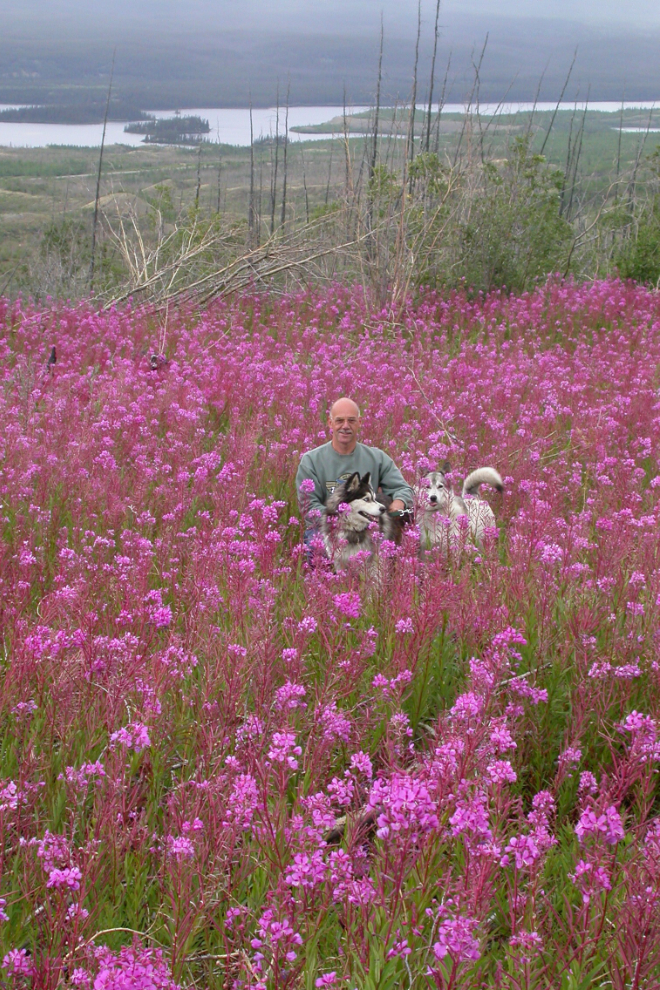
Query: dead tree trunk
x=413, y=101
x=284, y=163
x=98, y=177
x=251, y=200
x=435, y=52
x=273, y=185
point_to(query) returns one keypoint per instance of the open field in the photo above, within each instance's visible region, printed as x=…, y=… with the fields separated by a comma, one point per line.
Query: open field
x=230, y=770
x=46, y=188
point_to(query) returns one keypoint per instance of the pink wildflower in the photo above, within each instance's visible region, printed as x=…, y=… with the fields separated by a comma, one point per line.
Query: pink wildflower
x=69, y=877
x=591, y=879
x=608, y=824
x=524, y=850
x=284, y=749
x=348, y=603
x=456, y=938
x=18, y=963
x=501, y=772
x=327, y=980
x=361, y=763
x=134, y=736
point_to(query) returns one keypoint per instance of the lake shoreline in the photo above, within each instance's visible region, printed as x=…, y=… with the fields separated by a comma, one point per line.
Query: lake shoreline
x=231, y=126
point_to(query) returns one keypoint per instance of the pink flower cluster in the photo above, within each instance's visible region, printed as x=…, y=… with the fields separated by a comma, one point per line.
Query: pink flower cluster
x=608, y=824
x=132, y=968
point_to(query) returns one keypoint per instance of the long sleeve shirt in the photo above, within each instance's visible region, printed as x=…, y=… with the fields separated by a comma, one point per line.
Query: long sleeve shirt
x=327, y=468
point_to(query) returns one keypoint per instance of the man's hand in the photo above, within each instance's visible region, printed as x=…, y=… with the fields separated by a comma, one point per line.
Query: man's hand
x=399, y=511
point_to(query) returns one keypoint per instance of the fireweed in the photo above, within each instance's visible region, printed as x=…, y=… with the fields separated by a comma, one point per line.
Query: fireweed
x=222, y=766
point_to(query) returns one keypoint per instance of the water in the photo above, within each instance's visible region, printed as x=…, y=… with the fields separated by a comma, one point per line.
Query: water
x=227, y=126
x=233, y=126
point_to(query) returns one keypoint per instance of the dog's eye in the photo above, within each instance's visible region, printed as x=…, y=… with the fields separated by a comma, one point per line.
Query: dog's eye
x=425, y=483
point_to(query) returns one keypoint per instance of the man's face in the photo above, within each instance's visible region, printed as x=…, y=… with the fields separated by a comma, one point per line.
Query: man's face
x=344, y=423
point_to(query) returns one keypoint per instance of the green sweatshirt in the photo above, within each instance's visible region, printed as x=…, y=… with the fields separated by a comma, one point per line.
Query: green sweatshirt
x=326, y=468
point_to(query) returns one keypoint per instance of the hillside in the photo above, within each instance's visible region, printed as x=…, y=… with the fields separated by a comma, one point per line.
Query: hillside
x=206, y=56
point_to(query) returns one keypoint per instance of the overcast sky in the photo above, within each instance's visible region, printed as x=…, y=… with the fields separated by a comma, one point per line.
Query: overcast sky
x=327, y=16
x=635, y=12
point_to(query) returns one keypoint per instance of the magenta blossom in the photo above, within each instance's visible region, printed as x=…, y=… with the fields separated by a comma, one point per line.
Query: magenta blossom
x=608, y=824
x=456, y=937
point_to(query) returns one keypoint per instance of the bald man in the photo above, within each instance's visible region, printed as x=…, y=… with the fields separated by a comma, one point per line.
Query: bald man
x=333, y=462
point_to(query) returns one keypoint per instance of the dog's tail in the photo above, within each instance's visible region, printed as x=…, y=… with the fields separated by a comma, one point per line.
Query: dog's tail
x=482, y=476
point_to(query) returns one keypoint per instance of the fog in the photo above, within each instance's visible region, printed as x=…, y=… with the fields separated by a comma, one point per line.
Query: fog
x=316, y=16
x=224, y=52
x=604, y=13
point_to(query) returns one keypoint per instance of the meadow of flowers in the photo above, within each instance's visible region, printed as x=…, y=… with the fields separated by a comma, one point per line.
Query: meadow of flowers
x=223, y=769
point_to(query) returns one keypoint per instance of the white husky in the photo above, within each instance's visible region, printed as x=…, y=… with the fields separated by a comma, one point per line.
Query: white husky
x=442, y=515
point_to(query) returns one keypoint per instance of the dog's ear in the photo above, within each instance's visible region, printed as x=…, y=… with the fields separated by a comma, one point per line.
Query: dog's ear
x=353, y=483
x=446, y=468
x=366, y=479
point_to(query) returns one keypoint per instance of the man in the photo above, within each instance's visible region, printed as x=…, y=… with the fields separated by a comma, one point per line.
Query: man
x=334, y=462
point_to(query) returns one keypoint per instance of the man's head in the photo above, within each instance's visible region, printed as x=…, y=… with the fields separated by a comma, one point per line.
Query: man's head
x=344, y=424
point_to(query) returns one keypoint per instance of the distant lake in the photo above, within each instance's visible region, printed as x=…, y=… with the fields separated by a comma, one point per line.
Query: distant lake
x=227, y=126
x=233, y=126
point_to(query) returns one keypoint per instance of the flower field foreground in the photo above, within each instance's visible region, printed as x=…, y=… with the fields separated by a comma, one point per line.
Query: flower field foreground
x=223, y=769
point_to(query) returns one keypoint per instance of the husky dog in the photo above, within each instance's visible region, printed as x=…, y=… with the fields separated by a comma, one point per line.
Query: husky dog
x=347, y=531
x=442, y=515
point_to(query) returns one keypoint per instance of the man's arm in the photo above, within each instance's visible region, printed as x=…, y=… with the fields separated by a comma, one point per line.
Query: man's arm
x=309, y=501
x=394, y=484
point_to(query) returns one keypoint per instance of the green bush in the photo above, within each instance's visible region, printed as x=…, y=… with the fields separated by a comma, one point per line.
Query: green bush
x=639, y=256
x=512, y=231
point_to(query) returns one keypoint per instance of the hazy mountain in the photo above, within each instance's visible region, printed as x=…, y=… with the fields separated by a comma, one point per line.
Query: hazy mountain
x=217, y=52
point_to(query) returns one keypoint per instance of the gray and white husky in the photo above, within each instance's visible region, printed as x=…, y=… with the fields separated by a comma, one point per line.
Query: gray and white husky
x=442, y=516
x=350, y=511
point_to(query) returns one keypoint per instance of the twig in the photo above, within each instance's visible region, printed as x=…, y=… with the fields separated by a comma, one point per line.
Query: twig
x=450, y=436
x=561, y=97
x=110, y=931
